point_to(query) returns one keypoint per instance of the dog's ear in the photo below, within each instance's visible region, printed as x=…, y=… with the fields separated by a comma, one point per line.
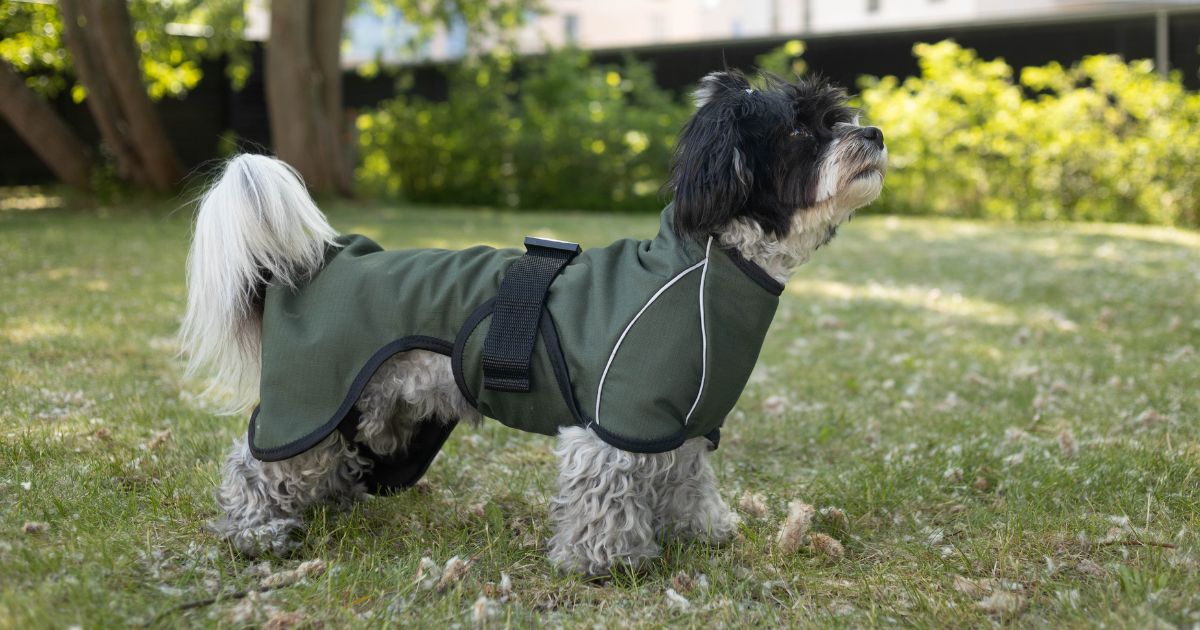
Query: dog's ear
x=710, y=175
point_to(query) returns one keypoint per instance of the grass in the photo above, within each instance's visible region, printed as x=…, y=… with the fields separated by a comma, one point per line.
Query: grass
x=1007, y=415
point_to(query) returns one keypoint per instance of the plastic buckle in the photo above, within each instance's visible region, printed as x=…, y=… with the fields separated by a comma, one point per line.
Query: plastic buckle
x=550, y=243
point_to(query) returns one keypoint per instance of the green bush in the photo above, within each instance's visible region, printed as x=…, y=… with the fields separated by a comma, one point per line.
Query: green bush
x=558, y=132
x=1103, y=140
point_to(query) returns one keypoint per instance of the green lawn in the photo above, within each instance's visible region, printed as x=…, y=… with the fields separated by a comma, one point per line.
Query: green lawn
x=1007, y=415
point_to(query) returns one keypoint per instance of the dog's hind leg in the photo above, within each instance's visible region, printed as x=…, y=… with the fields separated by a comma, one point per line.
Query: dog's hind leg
x=603, y=514
x=264, y=502
x=408, y=409
x=690, y=506
x=411, y=400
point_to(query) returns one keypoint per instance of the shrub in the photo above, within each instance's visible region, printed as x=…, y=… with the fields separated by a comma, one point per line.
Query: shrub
x=556, y=133
x=1103, y=140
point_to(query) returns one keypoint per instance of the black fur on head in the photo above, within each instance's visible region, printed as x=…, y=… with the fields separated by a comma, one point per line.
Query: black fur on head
x=753, y=152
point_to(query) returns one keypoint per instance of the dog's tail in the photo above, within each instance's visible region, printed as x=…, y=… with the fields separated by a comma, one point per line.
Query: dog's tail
x=256, y=224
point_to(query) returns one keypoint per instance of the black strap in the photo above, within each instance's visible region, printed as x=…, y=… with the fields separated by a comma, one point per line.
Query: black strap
x=508, y=348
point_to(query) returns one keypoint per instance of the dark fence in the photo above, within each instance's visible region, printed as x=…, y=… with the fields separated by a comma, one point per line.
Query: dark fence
x=196, y=123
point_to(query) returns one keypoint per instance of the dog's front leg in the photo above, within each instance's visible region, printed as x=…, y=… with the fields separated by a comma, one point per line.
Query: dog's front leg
x=264, y=501
x=690, y=506
x=603, y=514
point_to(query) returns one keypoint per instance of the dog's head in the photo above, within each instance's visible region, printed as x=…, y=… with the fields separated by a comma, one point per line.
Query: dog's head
x=786, y=156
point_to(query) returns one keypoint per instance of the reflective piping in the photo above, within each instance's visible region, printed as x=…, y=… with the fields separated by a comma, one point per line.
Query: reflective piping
x=703, y=337
x=604, y=374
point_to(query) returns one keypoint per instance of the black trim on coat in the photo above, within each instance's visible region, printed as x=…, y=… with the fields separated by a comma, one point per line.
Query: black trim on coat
x=661, y=445
x=296, y=447
x=480, y=313
x=756, y=273
x=714, y=436
x=561, y=373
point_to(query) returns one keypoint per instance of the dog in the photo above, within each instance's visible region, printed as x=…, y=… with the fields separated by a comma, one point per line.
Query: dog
x=552, y=340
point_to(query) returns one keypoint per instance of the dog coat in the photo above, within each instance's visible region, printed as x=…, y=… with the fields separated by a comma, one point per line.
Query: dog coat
x=647, y=343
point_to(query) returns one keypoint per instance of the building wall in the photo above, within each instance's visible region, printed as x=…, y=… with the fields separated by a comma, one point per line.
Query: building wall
x=606, y=24
x=615, y=23
x=853, y=15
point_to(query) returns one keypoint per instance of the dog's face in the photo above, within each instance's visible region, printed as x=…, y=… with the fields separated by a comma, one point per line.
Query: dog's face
x=790, y=157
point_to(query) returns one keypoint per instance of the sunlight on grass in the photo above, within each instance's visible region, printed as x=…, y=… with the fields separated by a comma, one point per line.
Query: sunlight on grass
x=23, y=198
x=1167, y=236
x=25, y=331
x=928, y=298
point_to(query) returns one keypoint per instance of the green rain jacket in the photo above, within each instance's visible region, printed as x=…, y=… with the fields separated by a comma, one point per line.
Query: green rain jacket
x=647, y=343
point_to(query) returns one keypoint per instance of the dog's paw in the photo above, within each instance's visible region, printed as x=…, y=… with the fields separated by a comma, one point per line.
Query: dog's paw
x=599, y=556
x=263, y=538
x=713, y=527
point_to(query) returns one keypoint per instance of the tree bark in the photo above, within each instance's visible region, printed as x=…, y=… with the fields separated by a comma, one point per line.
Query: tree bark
x=328, y=16
x=286, y=59
x=114, y=36
x=99, y=34
x=304, y=91
x=44, y=131
x=100, y=100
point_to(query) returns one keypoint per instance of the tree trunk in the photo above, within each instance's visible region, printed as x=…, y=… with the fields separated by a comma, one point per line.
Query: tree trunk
x=285, y=63
x=328, y=16
x=304, y=91
x=100, y=100
x=114, y=35
x=99, y=35
x=44, y=131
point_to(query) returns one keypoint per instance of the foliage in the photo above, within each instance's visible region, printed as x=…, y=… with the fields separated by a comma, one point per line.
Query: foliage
x=1103, y=140
x=173, y=37
x=556, y=132
x=31, y=41
x=787, y=61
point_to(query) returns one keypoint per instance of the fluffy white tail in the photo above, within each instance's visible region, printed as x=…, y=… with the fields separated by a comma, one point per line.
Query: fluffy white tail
x=256, y=224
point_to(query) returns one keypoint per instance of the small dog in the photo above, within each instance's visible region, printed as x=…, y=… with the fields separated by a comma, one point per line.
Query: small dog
x=277, y=301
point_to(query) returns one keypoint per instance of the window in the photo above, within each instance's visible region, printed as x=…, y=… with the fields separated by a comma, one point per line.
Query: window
x=571, y=27
x=873, y=6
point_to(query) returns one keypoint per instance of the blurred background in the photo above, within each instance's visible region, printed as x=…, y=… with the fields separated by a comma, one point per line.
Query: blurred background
x=1010, y=109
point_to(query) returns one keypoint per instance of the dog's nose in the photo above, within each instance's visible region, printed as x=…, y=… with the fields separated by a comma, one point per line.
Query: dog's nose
x=873, y=134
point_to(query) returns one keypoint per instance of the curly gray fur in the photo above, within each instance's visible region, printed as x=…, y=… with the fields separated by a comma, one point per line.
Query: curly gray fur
x=411, y=388
x=265, y=501
x=612, y=504
x=690, y=505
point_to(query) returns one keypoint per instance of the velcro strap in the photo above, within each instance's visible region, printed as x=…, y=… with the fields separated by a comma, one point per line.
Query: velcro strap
x=508, y=348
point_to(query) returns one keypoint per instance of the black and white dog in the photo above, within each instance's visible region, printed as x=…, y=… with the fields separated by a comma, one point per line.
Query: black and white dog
x=768, y=171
